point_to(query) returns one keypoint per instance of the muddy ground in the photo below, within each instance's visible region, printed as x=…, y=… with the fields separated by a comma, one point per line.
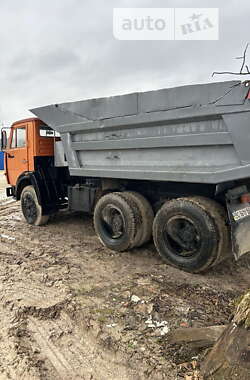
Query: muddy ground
x=72, y=309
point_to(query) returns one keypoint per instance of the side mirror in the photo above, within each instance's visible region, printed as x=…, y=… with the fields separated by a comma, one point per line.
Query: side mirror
x=4, y=139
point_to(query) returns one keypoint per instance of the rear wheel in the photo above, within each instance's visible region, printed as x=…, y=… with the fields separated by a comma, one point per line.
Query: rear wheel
x=133, y=203
x=218, y=213
x=32, y=210
x=147, y=217
x=115, y=222
x=186, y=235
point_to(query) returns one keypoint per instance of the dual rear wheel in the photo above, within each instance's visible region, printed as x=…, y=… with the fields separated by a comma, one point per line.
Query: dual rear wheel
x=189, y=233
x=123, y=220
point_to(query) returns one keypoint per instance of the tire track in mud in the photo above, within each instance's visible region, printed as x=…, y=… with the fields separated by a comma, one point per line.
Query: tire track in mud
x=62, y=366
x=74, y=357
x=10, y=206
x=22, y=296
x=44, y=342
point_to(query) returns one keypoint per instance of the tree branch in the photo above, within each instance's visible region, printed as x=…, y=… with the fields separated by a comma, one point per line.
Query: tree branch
x=244, y=59
x=229, y=72
x=241, y=72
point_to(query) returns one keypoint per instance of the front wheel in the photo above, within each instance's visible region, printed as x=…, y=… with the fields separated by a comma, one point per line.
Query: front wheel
x=186, y=235
x=32, y=210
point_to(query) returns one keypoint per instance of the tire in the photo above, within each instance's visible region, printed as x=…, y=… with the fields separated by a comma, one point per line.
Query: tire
x=31, y=209
x=218, y=213
x=185, y=235
x=147, y=216
x=115, y=222
x=132, y=201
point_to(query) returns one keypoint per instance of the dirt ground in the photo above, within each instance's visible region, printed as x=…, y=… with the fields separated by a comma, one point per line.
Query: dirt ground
x=72, y=309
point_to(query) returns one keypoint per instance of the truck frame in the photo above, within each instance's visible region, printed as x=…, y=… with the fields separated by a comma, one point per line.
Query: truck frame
x=172, y=163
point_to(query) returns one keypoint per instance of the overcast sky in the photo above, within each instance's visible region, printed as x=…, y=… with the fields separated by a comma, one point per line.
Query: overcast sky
x=64, y=50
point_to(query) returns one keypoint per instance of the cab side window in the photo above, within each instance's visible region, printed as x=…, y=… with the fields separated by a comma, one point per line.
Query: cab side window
x=19, y=138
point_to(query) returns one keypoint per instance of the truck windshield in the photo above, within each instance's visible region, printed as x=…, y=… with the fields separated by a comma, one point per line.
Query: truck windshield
x=46, y=131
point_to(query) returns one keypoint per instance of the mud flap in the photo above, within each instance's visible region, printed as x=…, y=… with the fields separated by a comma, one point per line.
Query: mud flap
x=239, y=216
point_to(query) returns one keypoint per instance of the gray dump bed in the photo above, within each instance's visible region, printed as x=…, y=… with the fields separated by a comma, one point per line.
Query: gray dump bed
x=198, y=133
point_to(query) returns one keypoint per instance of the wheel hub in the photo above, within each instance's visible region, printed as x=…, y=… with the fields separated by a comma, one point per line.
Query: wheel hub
x=114, y=221
x=117, y=224
x=182, y=236
x=29, y=207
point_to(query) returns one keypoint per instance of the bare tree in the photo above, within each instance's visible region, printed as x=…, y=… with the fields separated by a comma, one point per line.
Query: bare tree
x=243, y=66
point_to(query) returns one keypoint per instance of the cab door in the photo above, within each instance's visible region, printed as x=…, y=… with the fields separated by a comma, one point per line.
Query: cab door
x=17, y=154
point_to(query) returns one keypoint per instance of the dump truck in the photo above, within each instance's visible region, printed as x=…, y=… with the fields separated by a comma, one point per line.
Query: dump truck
x=172, y=164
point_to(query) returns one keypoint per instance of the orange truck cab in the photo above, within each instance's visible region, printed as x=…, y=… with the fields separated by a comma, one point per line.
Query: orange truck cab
x=29, y=163
x=27, y=142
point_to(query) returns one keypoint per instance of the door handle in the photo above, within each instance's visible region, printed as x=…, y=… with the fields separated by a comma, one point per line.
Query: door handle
x=10, y=155
x=24, y=161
